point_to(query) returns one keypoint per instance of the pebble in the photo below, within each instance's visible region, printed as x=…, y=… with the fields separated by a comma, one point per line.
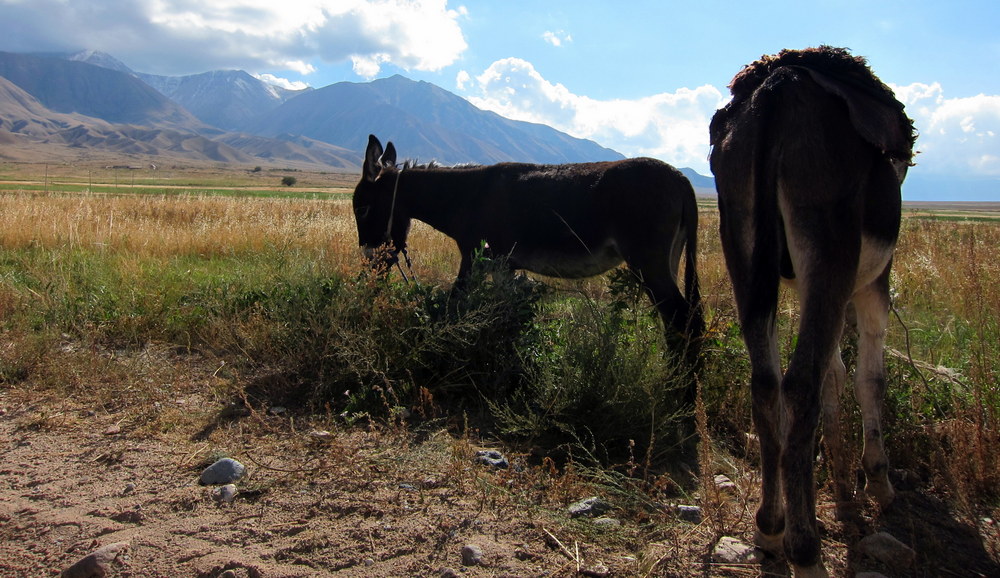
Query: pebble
x=97, y=564
x=591, y=507
x=596, y=571
x=224, y=471
x=224, y=494
x=492, y=458
x=607, y=523
x=128, y=489
x=729, y=550
x=472, y=555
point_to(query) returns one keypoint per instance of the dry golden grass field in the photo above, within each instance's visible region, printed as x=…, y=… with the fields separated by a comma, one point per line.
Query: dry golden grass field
x=149, y=321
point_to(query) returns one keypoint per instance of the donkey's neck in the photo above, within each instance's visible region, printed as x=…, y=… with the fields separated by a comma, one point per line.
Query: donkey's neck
x=436, y=195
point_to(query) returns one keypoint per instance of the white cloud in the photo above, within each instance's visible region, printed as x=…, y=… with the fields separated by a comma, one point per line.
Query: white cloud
x=185, y=36
x=462, y=80
x=957, y=135
x=281, y=82
x=557, y=38
x=670, y=126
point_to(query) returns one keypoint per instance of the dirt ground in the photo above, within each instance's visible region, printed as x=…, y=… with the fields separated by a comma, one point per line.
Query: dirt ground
x=323, y=497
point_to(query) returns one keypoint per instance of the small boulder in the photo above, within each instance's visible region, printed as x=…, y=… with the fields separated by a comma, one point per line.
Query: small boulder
x=591, y=507
x=607, y=523
x=472, y=555
x=690, y=514
x=492, y=458
x=224, y=471
x=883, y=547
x=729, y=550
x=724, y=483
x=97, y=564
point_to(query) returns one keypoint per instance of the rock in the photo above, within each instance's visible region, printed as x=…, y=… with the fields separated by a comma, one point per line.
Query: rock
x=724, y=483
x=224, y=471
x=596, y=571
x=128, y=489
x=591, y=507
x=447, y=573
x=472, y=555
x=224, y=494
x=729, y=550
x=492, y=458
x=883, y=547
x=97, y=564
x=607, y=523
x=689, y=513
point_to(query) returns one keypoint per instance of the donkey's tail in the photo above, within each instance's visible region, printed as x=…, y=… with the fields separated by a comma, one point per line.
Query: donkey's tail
x=692, y=290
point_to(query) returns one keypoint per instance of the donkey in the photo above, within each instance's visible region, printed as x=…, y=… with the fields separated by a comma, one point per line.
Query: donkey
x=569, y=221
x=809, y=156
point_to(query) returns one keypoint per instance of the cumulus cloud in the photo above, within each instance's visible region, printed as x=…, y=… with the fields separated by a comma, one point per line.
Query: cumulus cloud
x=672, y=126
x=957, y=135
x=182, y=36
x=281, y=82
x=557, y=38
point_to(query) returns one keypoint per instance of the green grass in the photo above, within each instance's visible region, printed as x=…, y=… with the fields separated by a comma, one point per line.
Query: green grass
x=175, y=191
x=579, y=373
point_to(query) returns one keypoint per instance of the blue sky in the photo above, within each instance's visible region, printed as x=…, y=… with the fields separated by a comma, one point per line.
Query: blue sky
x=641, y=77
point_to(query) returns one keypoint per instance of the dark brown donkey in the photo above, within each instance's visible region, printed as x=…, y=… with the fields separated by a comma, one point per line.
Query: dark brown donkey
x=808, y=159
x=574, y=220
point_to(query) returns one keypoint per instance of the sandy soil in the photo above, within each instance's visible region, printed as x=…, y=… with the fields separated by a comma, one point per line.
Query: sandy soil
x=78, y=473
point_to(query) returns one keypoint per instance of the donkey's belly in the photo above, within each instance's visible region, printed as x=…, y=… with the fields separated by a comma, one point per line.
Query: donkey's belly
x=568, y=264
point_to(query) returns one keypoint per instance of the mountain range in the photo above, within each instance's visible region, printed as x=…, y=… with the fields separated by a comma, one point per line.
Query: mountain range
x=89, y=103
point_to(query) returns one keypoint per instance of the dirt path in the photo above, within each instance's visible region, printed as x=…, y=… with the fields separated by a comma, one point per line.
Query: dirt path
x=324, y=499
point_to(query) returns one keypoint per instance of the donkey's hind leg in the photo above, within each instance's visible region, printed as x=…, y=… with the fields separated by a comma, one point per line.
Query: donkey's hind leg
x=872, y=304
x=834, y=444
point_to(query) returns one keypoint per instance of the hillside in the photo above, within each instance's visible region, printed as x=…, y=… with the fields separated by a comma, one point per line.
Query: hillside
x=77, y=87
x=227, y=99
x=67, y=106
x=424, y=121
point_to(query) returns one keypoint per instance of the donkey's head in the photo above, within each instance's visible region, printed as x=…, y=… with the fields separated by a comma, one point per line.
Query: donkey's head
x=381, y=220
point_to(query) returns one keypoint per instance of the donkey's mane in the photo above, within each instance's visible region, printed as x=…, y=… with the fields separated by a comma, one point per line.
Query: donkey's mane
x=416, y=164
x=833, y=61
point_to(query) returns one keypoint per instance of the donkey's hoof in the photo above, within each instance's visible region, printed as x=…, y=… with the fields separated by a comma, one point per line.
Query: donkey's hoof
x=815, y=571
x=770, y=543
x=881, y=491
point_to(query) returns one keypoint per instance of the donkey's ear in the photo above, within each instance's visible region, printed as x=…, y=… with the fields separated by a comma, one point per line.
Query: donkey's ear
x=373, y=153
x=389, y=156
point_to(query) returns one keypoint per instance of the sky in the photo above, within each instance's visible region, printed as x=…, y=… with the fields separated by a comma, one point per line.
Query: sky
x=641, y=77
